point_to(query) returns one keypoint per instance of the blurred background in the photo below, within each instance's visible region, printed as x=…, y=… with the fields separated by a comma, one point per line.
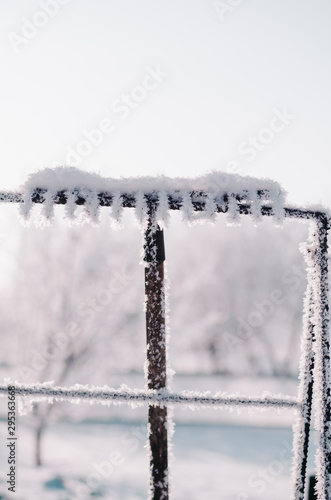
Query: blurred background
x=146, y=88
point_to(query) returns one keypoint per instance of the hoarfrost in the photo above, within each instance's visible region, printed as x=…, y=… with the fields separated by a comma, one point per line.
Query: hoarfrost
x=255, y=207
x=141, y=208
x=233, y=215
x=314, y=365
x=27, y=205
x=92, y=205
x=162, y=212
x=105, y=395
x=48, y=206
x=117, y=209
x=199, y=198
x=70, y=206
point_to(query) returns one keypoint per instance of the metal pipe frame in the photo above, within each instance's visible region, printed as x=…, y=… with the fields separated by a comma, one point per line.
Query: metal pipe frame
x=315, y=372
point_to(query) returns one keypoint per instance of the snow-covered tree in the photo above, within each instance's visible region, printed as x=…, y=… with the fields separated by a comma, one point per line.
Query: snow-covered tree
x=236, y=297
x=80, y=306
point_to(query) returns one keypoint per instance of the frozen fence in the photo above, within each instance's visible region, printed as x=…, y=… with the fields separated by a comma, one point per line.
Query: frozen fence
x=198, y=199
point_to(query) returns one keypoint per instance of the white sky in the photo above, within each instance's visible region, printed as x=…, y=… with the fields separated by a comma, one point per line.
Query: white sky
x=225, y=78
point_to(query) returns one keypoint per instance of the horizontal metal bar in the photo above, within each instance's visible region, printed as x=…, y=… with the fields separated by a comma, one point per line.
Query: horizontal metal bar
x=175, y=202
x=152, y=397
x=11, y=197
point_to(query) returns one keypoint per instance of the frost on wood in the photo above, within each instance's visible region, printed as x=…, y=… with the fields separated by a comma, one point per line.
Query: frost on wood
x=198, y=198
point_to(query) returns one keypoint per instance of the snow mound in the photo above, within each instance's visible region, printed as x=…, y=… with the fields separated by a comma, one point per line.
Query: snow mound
x=199, y=198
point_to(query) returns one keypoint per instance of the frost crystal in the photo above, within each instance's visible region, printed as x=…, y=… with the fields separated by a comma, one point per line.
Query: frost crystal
x=141, y=208
x=117, y=209
x=70, y=206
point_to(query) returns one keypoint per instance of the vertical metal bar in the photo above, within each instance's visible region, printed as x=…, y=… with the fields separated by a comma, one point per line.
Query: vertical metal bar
x=156, y=355
x=322, y=353
x=302, y=427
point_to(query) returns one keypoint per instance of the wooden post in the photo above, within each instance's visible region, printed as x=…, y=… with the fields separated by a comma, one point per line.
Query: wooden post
x=156, y=355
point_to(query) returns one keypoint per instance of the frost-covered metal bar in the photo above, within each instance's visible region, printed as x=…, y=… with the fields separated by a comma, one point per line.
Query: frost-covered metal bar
x=11, y=197
x=301, y=430
x=175, y=202
x=321, y=345
x=156, y=354
x=193, y=400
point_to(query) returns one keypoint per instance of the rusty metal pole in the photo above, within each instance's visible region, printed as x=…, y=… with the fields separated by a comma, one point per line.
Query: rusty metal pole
x=322, y=354
x=156, y=355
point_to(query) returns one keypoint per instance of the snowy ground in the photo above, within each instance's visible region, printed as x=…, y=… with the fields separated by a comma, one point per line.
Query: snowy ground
x=216, y=454
x=110, y=462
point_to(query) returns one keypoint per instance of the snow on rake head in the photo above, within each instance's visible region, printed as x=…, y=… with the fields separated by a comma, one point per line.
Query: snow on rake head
x=198, y=198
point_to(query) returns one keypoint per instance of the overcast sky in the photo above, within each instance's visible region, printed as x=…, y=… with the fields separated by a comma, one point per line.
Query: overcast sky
x=179, y=87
